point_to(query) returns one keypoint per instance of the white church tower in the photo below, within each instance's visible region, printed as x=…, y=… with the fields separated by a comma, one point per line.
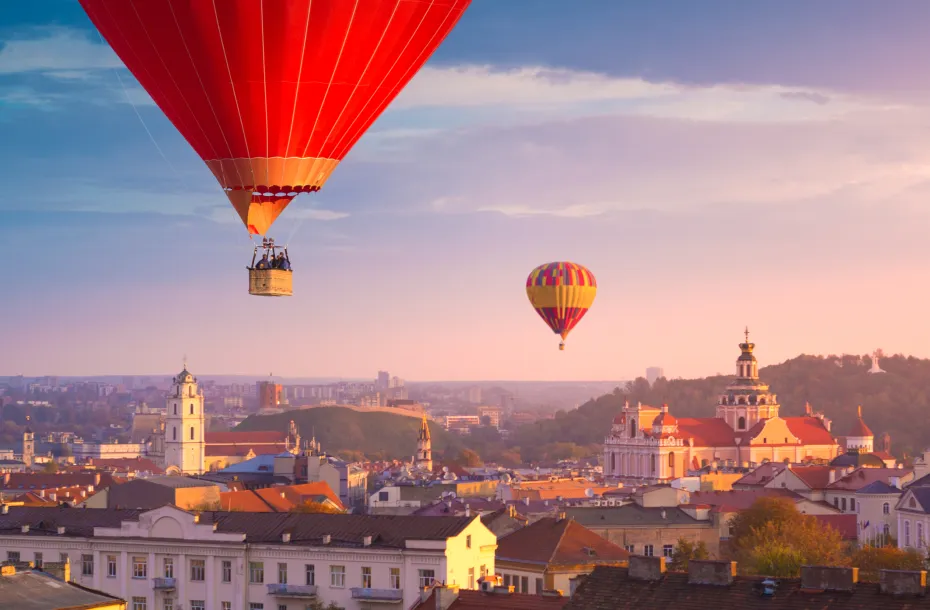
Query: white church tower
x=184, y=427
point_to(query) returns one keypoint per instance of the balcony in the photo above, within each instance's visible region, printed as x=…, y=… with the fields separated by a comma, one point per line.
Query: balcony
x=164, y=584
x=386, y=596
x=294, y=591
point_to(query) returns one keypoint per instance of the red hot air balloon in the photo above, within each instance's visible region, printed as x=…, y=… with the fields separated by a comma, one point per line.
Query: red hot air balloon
x=272, y=94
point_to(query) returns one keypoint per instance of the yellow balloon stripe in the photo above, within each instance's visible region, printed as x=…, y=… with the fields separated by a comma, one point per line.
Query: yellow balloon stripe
x=561, y=297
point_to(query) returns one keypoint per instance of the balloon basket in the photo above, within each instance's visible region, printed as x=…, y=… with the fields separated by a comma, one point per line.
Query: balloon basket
x=562, y=346
x=271, y=282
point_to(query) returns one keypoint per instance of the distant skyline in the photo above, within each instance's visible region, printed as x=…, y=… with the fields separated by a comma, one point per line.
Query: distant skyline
x=715, y=164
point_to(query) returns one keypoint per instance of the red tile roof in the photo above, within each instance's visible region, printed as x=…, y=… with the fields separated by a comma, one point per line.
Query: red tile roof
x=860, y=477
x=242, y=450
x=267, y=437
x=846, y=525
x=809, y=430
x=277, y=499
x=739, y=499
x=138, y=464
x=707, y=431
x=553, y=542
x=815, y=477
x=859, y=429
x=478, y=600
x=763, y=474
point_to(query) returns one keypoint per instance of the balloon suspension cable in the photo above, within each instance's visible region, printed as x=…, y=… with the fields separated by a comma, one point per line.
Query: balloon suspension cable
x=296, y=228
x=138, y=114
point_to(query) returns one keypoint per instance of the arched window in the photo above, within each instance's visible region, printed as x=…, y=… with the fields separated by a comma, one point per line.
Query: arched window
x=886, y=509
x=192, y=433
x=671, y=464
x=613, y=462
x=653, y=461
x=174, y=434
x=887, y=529
x=632, y=428
x=742, y=400
x=175, y=409
x=192, y=408
x=762, y=401
x=741, y=423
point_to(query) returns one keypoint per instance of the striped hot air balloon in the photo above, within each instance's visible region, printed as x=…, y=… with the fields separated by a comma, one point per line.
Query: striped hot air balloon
x=561, y=293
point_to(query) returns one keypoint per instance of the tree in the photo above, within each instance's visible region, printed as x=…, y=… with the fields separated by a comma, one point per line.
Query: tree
x=772, y=538
x=50, y=467
x=468, y=458
x=685, y=551
x=316, y=507
x=871, y=560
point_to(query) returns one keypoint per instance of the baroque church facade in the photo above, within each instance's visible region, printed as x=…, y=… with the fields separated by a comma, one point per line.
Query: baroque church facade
x=649, y=444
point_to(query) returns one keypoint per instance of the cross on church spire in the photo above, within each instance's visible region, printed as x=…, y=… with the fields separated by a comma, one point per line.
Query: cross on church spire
x=746, y=332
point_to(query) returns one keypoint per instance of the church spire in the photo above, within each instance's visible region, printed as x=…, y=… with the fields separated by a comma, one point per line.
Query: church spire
x=424, y=455
x=747, y=368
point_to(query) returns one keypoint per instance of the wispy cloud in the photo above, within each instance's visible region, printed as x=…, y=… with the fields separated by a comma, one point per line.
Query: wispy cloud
x=56, y=52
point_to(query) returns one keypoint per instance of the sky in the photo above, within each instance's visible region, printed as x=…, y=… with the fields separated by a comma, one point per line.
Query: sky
x=715, y=164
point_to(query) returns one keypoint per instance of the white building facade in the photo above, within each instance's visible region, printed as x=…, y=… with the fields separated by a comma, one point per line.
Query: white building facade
x=169, y=559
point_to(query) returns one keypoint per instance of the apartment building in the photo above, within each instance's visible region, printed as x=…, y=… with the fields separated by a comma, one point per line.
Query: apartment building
x=167, y=558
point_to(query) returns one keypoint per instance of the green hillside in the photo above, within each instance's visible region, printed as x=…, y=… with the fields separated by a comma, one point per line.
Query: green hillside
x=352, y=434
x=897, y=402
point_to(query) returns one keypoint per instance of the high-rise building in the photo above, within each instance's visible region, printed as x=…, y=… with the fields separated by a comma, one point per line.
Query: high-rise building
x=384, y=380
x=269, y=395
x=184, y=426
x=653, y=373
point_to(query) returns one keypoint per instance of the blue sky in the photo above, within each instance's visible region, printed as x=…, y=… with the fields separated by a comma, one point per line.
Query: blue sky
x=715, y=164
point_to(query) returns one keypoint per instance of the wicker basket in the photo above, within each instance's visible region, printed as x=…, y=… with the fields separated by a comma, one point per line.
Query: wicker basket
x=271, y=282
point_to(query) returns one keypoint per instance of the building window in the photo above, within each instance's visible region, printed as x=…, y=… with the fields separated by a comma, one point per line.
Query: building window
x=12, y=556
x=539, y=586
x=198, y=570
x=852, y=504
x=227, y=571
x=192, y=433
x=468, y=541
x=256, y=572
x=38, y=560
x=630, y=548
x=337, y=577
x=139, y=603
x=282, y=573
x=192, y=408
x=366, y=578
x=506, y=580
x=168, y=603
x=395, y=578
x=741, y=423
x=667, y=550
x=227, y=605
x=282, y=607
x=907, y=533
x=471, y=578
x=648, y=550
x=632, y=428
x=111, y=566
x=426, y=577
x=63, y=557
x=175, y=409
x=256, y=606
x=524, y=584
x=886, y=508
x=87, y=565
x=168, y=564
x=383, y=496
x=836, y=502
x=920, y=535
x=843, y=504
x=887, y=529
x=140, y=567
x=198, y=604
x=310, y=572
x=174, y=433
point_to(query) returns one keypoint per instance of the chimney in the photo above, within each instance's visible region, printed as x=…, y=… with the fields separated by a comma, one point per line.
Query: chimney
x=61, y=530
x=25, y=529
x=560, y=516
x=829, y=578
x=831, y=478
x=467, y=510
x=326, y=538
x=526, y=501
x=904, y=582
x=895, y=482
x=445, y=596
x=286, y=537
x=366, y=541
x=6, y=478
x=703, y=572
x=511, y=510
x=646, y=568
x=5, y=509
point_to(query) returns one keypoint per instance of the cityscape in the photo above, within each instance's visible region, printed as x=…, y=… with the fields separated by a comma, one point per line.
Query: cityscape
x=689, y=371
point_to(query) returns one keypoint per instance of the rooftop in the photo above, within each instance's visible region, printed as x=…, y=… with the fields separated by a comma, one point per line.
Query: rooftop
x=35, y=590
x=632, y=515
x=478, y=600
x=555, y=542
x=388, y=531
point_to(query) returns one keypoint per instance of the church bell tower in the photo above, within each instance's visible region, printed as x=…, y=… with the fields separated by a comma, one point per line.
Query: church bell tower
x=184, y=426
x=424, y=457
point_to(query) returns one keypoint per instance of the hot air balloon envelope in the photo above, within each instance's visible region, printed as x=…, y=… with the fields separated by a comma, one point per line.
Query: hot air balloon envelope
x=561, y=293
x=272, y=94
